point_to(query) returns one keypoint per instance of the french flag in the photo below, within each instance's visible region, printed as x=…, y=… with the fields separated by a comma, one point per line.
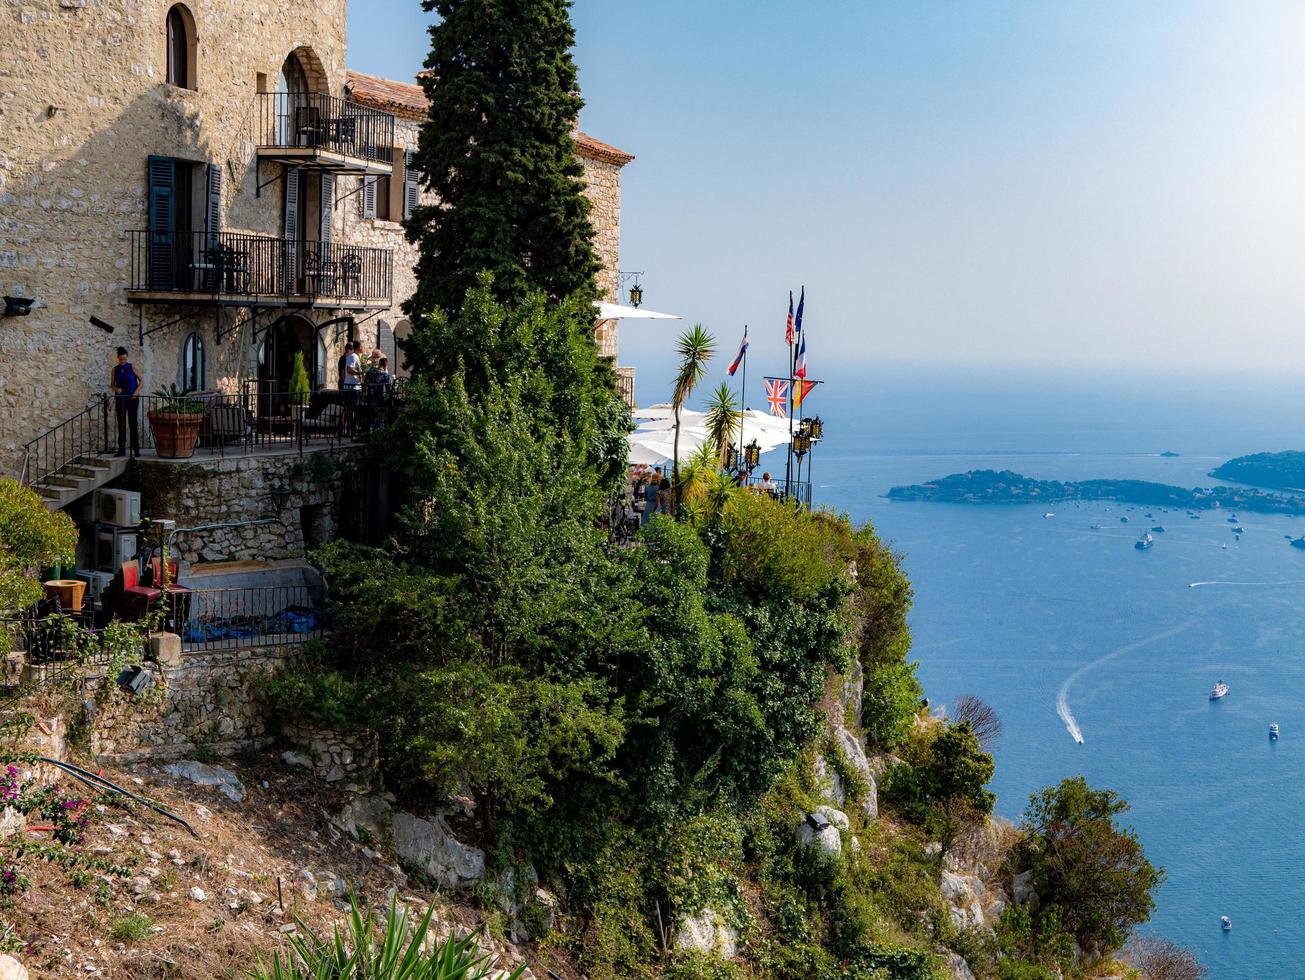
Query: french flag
x=743, y=350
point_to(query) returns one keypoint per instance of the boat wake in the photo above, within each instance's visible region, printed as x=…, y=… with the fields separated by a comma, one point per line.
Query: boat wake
x=1197, y=585
x=1062, y=697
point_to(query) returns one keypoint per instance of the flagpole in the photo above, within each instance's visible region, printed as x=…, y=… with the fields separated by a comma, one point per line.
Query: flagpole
x=788, y=461
x=743, y=395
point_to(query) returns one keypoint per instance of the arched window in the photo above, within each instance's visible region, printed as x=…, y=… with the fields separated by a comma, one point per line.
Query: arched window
x=181, y=47
x=192, y=364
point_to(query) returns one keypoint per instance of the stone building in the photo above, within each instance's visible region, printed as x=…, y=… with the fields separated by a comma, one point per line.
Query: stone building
x=213, y=183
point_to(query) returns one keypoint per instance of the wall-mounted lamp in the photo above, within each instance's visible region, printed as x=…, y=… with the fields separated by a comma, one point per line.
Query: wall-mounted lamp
x=97, y=322
x=18, y=306
x=636, y=295
x=281, y=496
x=52, y=110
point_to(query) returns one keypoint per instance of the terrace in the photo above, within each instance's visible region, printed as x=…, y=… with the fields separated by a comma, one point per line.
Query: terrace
x=236, y=269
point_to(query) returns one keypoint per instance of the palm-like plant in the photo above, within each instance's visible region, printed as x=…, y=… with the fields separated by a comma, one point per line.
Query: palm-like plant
x=707, y=489
x=723, y=418
x=696, y=348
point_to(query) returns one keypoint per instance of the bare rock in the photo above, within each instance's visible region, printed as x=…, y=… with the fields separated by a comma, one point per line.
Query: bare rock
x=206, y=775
x=707, y=933
x=11, y=969
x=429, y=846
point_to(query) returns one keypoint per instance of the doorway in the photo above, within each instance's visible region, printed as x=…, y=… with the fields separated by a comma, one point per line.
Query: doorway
x=285, y=338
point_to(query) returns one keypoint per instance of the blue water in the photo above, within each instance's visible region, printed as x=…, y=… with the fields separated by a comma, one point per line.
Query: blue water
x=1009, y=605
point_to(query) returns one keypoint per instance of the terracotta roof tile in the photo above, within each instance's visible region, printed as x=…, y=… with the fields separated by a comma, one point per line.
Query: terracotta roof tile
x=408, y=100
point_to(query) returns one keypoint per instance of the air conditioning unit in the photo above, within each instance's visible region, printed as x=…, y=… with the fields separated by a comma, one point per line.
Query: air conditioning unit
x=112, y=551
x=96, y=583
x=119, y=507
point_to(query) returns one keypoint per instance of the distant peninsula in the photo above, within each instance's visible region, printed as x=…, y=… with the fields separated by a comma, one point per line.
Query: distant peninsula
x=1281, y=471
x=1007, y=487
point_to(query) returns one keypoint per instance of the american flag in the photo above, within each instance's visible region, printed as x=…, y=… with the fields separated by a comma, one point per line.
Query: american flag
x=788, y=329
x=777, y=395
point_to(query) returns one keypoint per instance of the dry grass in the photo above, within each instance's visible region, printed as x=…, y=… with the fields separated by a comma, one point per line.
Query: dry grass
x=244, y=851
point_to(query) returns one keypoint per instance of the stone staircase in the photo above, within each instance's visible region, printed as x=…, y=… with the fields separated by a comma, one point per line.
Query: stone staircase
x=78, y=478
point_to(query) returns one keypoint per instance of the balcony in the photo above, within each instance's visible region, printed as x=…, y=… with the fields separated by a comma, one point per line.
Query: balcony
x=324, y=132
x=235, y=269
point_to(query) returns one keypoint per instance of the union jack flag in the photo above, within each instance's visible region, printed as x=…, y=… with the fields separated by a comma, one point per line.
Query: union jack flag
x=788, y=329
x=777, y=395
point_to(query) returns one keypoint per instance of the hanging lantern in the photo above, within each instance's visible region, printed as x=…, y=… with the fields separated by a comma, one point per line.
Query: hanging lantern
x=801, y=443
x=731, y=457
x=817, y=429
x=636, y=295
x=752, y=455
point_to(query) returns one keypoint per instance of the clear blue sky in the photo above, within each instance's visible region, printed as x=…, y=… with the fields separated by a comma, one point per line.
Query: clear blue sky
x=1109, y=184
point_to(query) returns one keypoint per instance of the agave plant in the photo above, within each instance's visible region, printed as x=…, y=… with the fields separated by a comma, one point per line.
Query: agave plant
x=361, y=951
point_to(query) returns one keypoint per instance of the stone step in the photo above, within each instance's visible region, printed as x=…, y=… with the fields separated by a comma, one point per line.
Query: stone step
x=87, y=470
x=65, y=480
x=49, y=493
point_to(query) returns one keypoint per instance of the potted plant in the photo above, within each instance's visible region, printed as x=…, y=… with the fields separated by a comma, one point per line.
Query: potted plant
x=299, y=390
x=175, y=420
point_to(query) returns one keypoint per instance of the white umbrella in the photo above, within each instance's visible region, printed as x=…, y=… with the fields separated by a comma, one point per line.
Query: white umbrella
x=641, y=454
x=614, y=311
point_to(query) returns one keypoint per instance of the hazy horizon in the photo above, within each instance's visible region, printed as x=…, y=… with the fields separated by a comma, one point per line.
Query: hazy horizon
x=1004, y=183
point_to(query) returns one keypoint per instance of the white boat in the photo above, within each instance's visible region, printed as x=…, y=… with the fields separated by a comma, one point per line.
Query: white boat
x=1218, y=691
x=1273, y=730
x=1048, y=514
x=1225, y=923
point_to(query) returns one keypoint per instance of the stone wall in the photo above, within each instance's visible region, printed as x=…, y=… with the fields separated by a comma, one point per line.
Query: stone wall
x=240, y=489
x=347, y=760
x=208, y=702
x=83, y=103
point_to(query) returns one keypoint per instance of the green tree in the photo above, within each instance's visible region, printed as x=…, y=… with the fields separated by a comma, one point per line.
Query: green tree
x=299, y=389
x=1086, y=868
x=498, y=151
x=695, y=349
x=31, y=537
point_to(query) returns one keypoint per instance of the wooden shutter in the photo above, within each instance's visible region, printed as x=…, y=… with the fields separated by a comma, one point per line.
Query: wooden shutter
x=367, y=198
x=290, y=232
x=213, y=210
x=411, y=185
x=160, y=181
x=328, y=206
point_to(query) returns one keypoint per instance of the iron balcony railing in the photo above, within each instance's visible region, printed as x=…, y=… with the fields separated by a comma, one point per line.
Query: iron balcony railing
x=260, y=266
x=275, y=615
x=304, y=120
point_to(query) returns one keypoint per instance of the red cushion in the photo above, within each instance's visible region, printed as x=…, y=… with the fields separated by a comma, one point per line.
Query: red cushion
x=143, y=592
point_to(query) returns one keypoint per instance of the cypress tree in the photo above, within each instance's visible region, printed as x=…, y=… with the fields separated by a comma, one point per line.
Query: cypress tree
x=498, y=152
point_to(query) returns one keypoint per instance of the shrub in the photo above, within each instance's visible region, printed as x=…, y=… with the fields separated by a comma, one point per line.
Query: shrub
x=1161, y=959
x=31, y=537
x=398, y=948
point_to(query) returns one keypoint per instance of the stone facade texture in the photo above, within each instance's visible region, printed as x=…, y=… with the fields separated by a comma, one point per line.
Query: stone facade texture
x=239, y=490
x=211, y=702
x=84, y=102
x=347, y=760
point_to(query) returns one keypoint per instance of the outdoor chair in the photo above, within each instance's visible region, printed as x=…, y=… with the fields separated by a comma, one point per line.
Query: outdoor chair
x=351, y=275
x=326, y=422
x=136, y=599
x=227, y=423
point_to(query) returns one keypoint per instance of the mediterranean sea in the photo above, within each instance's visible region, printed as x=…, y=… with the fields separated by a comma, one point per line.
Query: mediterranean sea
x=1025, y=610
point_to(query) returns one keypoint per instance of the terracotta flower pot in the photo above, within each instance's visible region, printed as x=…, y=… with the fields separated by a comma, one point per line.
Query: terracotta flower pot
x=70, y=592
x=175, y=434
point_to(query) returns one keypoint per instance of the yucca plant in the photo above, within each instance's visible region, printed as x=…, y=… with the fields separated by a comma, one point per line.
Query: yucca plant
x=695, y=348
x=361, y=951
x=723, y=418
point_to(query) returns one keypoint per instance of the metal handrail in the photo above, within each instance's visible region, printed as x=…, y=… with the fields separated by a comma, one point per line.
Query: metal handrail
x=81, y=435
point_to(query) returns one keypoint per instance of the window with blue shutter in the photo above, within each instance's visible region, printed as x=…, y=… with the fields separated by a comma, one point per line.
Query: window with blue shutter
x=162, y=214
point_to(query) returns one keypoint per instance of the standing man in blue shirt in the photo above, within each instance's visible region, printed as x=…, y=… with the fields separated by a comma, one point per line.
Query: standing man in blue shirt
x=125, y=382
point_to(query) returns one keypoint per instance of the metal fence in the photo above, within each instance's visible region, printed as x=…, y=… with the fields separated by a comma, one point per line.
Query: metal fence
x=307, y=120
x=47, y=454
x=258, y=616
x=56, y=647
x=259, y=267
x=798, y=491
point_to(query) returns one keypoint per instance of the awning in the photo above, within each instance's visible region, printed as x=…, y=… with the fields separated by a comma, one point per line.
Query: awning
x=614, y=311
